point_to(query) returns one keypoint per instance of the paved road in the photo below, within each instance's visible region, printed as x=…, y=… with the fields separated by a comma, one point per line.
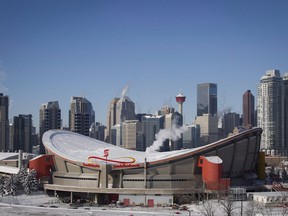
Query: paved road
x=13, y=210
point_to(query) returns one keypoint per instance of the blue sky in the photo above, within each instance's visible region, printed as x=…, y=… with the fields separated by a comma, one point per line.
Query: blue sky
x=52, y=50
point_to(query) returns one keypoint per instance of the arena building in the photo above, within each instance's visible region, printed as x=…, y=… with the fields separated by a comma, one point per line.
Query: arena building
x=89, y=168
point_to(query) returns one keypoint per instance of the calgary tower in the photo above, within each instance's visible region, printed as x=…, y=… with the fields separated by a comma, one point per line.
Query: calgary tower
x=180, y=99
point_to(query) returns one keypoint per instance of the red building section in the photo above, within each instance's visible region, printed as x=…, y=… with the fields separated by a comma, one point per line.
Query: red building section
x=212, y=172
x=42, y=164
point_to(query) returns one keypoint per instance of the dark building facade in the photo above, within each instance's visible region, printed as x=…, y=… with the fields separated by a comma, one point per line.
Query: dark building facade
x=97, y=131
x=22, y=133
x=81, y=115
x=50, y=118
x=285, y=114
x=151, y=125
x=191, y=137
x=248, y=109
x=4, y=122
x=207, y=99
x=230, y=121
x=111, y=119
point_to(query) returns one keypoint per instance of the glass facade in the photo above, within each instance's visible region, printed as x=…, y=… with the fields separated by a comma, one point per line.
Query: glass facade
x=207, y=99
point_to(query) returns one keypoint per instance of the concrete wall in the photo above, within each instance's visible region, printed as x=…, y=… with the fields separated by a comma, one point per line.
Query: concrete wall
x=158, y=199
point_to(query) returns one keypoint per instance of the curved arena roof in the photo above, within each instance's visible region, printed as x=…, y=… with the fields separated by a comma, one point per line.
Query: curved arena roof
x=79, y=148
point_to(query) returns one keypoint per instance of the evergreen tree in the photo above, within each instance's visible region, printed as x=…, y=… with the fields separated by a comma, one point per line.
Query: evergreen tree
x=31, y=182
x=2, y=185
x=272, y=173
x=22, y=175
x=11, y=185
x=284, y=176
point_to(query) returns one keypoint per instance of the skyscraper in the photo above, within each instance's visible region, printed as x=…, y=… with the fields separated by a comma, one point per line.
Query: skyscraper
x=130, y=132
x=125, y=110
x=97, y=131
x=4, y=122
x=151, y=125
x=173, y=120
x=207, y=99
x=191, y=137
x=50, y=118
x=120, y=110
x=22, y=133
x=116, y=135
x=248, y=109
x=270, y=112
x=207, y=112
x=166, y=110
x=81, y=115
x=285, y=112
x=230, y=121
x=208, y=128
x=111, y=118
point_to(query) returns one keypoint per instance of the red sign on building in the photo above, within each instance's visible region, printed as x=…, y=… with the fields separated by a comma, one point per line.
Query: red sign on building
x=106, y=152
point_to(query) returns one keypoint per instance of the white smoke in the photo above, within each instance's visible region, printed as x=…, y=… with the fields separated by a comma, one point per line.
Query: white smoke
x=221, y=114
x=124, y=91
x=173, y=133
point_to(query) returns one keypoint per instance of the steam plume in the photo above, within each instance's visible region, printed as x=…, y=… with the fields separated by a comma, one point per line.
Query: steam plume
x=124, y=91
x=173, y=133
x=221, y=114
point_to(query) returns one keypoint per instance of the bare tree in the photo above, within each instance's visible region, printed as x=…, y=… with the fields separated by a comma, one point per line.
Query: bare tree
x=208, y=208
x=228, y=205
x=254, y=208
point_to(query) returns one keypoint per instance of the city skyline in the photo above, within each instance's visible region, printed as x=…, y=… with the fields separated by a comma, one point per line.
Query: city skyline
x=52, y=51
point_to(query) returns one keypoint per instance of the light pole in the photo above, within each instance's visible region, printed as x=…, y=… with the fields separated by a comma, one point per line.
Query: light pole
x=106, y=154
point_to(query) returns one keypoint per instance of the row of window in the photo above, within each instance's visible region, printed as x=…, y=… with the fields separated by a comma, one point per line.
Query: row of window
x=158, y=180
x=77, y=178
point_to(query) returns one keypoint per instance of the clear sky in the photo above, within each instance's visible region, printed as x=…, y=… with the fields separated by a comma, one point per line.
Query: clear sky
x=52, y=50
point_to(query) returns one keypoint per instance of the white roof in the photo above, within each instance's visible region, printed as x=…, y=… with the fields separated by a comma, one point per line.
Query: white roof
x=6, y=155
x=9, y=169
x=214, y=159
x=271, y=194
x=77, y=147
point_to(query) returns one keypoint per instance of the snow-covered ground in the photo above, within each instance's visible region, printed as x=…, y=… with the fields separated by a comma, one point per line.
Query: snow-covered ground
x=41, y=204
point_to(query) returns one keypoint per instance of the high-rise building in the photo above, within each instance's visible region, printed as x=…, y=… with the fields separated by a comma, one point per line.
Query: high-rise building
x=81, y=115
x=208, y=128
x=130, y=134
x=97, y=131
x=207, y=99
x=191, y=137
x=230, y=121
x=22, y=133
x=116, y=135
x=125, y=110
x=4, y=122
x=270, y=112
x=285, y=112
x=120, y=110
x=151, y=125
x=166, y=110
x=248, y=109
x=173, y=120
x=111, y=119
x=50, y=118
